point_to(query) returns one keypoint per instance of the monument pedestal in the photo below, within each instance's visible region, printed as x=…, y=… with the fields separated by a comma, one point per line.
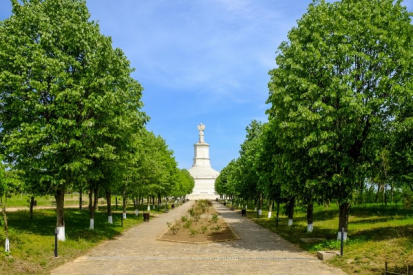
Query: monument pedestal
x=202, y=172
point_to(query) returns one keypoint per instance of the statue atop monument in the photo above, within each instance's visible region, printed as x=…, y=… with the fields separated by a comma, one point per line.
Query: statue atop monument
x=201, y=128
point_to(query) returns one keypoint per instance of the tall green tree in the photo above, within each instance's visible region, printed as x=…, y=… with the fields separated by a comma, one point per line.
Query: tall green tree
x=248, y=183
x=184, y=184
x=401, y=149
x=269, y=170
x=339, y=82
x=65, y=97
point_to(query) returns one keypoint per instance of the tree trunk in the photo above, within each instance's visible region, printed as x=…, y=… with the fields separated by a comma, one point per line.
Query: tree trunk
x=31, y=206
x=124, y=206
x=116, y=202
x=310, y=217
x=278, y=213
x=91, y=209
x=361, y=195
x=378, y=192
x=148, y=203
x=270, y=209
x=343, y=219
x=291, y=211
x=109, y=206
x=60, y=222
x=6, y=227
x=136, y=205
x=96, y=199
x=80, y=198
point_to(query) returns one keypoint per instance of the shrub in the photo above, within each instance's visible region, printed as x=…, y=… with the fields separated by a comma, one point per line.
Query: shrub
x=217, y=228
x=191, y=212
x=214, y=218
x=173, y=227
x=193, y=232
x=188, y=223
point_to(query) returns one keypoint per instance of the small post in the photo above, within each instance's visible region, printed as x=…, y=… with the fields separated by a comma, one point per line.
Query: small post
x=385, y=267
x=116, y=202
x=121, y=220
x=55, y=242
x=342, y=241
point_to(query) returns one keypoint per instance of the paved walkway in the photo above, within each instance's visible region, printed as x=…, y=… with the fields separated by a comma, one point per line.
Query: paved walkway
x=259, y=251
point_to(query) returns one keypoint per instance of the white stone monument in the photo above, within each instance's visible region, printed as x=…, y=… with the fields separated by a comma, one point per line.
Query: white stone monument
x=202, y=172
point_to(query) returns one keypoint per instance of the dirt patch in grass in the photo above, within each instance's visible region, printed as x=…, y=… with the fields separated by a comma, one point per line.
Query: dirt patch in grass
x=202, y=224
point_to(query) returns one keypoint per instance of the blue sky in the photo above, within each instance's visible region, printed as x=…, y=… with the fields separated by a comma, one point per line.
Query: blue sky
x=199, y=61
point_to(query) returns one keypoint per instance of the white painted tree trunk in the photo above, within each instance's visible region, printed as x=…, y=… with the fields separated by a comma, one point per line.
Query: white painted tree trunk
x=149, y=208
x=269, y=214
x=61, y=236
x=290, y=222
x=124, y=215
x=255, y=209
x=92, y=224
x=310, y=228
x=259, y=212
x=339, y=236
x=110, y=220
x=137, y=212
x=7, y=245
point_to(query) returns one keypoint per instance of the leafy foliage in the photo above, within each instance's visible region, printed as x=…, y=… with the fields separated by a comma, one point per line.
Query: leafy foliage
x=340, y=109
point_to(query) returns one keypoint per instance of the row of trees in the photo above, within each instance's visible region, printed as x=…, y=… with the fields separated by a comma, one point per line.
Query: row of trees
x=341, y=111
x=71, y=114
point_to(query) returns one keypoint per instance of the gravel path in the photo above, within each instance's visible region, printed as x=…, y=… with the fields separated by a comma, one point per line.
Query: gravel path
x=137, y=251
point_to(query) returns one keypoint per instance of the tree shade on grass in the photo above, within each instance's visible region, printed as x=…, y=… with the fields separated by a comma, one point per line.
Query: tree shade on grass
x=32, y=241
x=378, y=234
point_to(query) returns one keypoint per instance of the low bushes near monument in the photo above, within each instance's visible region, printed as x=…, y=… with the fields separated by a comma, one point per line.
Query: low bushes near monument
x=201, y=224
x=376, y=234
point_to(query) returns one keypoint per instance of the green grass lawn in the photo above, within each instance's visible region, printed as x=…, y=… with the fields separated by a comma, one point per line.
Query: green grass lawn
x=32, y=241
x=376, y=233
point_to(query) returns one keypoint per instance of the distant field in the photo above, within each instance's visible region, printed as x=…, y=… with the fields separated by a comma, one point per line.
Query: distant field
x=70, y=200
x=376, y=233
x=24, y=200
x=32, y=241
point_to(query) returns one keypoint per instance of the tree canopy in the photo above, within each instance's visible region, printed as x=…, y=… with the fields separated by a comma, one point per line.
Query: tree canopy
x=342, y=83
x=70, y=113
